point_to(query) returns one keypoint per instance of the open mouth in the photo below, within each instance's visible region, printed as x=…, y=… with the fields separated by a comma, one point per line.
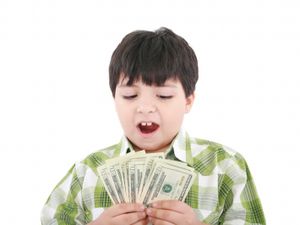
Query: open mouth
x=147, y=127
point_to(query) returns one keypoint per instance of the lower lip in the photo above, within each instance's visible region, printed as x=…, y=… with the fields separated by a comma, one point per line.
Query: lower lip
x=147, y=135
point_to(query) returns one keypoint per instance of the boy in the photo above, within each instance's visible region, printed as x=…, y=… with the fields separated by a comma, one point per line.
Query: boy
x=152, y=79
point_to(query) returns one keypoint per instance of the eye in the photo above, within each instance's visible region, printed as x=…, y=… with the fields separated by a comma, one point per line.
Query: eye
x=129, y=97
x=164, y=97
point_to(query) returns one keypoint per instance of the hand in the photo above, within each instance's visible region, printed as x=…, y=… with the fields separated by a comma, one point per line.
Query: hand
x=127, y=213
x=167, y=212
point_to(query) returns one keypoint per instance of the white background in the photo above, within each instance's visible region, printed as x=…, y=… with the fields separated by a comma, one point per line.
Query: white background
x=56, y=106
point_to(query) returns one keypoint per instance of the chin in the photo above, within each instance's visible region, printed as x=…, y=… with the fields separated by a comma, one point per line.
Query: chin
x=147, y=148
x=151, y=148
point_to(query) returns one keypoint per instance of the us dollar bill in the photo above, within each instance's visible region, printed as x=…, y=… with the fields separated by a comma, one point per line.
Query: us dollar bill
x=117, y=180
x=144, y=178
x=112, y=176
x=108, y=184
x=134, y=167
x=147, y=172
x=168, y=181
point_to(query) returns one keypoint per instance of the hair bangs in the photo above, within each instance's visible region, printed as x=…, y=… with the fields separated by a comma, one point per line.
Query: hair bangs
x=151, y=64
x=153, y=58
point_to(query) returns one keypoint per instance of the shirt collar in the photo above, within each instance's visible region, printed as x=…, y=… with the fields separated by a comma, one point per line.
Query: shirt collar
x=181, y=146
x=125, y=146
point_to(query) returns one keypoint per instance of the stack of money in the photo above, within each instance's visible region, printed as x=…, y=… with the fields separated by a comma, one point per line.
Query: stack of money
x=144, y=178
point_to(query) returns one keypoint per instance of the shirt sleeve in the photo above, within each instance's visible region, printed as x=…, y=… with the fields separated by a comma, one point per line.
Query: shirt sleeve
x=242, y=205
x=63, y=206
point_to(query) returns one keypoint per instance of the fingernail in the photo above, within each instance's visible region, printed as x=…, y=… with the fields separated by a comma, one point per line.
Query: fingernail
x=148, y=211
x=142, y=214
x=141, y=207
x=154, y=204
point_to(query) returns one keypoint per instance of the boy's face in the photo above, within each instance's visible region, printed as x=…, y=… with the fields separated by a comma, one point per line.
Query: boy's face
x=151, y=116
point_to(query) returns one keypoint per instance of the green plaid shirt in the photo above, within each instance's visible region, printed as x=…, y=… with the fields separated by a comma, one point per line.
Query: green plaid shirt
x=222, y=193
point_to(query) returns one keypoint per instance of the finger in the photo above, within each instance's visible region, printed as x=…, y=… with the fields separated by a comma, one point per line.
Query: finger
x=141, y=222
x=120, y=209
x=165, y=215
x=173, y=205
x=130, y=218
x=156, y=221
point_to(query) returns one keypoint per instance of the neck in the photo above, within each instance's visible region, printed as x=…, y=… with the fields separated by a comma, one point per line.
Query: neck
x=163, y=149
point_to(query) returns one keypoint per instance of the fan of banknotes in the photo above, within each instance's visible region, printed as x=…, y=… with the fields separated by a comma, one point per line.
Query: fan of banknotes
x=144, y=178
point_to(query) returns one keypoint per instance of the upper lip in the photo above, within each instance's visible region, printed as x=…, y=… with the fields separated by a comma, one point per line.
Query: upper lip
x=146, y=123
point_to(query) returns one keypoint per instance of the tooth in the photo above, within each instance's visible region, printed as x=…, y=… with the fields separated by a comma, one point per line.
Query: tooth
x=143, y=123
x=149, y=123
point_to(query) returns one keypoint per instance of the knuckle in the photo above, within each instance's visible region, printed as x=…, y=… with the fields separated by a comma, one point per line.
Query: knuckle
x=121, y=206
x=160, y=222
x=127, y=219
x=164, y=214
x=133, y=217
x=154, y=212
x=175, y=203
x=141, y=222
x=141, y=215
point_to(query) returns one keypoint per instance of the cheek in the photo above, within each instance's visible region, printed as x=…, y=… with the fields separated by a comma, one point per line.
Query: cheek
x=174, y=115
x=121, y=107
x=126, y=118
x=178, y=108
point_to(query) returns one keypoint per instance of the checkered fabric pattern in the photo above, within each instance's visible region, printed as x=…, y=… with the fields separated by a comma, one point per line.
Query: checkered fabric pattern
x=222, y=193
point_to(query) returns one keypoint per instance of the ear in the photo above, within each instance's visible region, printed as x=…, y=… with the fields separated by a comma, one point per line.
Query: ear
x=189, y=102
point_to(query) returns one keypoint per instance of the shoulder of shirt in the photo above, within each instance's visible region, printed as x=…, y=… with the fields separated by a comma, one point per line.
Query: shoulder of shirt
x=222, y=154
x=97, y=158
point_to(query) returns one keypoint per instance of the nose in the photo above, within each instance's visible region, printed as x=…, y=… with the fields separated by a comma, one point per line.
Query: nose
x=146, y=108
